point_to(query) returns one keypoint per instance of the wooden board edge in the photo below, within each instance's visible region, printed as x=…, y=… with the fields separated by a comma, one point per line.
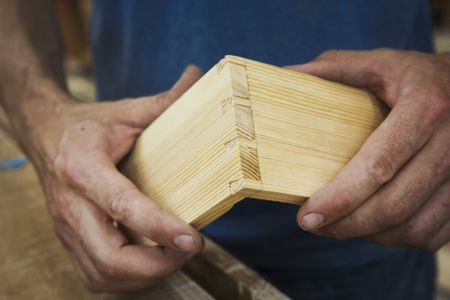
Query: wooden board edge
x=224, y=277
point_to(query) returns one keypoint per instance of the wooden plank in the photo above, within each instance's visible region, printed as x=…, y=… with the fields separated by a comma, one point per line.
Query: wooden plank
x=248, y=129
x=443, y=260
x=224, y=277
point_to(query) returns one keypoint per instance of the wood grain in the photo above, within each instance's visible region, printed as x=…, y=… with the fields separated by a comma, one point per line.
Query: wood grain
x=249, y=129
x=224, y=277
x=443, y=260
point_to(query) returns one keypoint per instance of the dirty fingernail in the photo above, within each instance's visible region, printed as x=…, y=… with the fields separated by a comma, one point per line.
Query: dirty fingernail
x=312, y=221
x=185, y=242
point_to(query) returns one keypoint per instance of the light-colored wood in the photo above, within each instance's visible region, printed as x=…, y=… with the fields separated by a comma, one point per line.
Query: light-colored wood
x=249, y=129
x=443, y=259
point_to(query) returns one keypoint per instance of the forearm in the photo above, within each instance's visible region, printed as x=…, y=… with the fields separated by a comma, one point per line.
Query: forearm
x=32, y=88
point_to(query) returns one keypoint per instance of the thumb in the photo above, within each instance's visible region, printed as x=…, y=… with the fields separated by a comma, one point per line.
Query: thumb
x=356, y=68
x=190, y=76
x=147, y=109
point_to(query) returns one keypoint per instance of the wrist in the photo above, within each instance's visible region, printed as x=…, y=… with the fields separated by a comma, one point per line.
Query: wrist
x=38, y=116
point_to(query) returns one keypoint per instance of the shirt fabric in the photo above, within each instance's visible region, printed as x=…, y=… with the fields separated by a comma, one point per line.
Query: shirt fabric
x=141, y=47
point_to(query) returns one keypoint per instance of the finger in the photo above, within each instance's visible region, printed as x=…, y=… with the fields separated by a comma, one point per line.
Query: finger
x=440, y=239
x=80, y=260
x=115, y=259
x=189, y=77
x=364, y=69
x=423, y=229
x=64, y=228
x=91, y=277
x=146, y=109
x=387, y=149
x=97, y=178
x=398, y=200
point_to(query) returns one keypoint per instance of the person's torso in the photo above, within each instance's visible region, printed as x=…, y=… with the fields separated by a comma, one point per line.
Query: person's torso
x=141, y=47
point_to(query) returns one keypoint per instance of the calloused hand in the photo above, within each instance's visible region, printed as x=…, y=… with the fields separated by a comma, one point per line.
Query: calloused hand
x=396, y=190
x=86, y=192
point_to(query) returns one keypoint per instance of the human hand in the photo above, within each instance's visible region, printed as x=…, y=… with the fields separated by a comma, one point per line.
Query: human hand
x=76, y=164
x=396, y=190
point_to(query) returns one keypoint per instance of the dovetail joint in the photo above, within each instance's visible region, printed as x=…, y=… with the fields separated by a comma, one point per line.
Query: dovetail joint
x=235, y=185
x=221, y=64
x=250, y=163
x=231, y=145
x=226, y=104
x=239, y=81
x=244, y=122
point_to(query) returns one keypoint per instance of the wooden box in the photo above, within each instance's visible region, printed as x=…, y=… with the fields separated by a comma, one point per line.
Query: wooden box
x=249, y=129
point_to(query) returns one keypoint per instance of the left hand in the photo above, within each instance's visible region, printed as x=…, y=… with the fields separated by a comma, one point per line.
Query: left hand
x=396, y=190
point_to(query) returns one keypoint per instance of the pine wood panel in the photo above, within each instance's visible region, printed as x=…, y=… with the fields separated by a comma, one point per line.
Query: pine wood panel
x=249, y=129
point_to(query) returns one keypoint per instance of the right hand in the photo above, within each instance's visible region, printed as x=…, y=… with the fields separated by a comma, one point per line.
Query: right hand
x=76, y=162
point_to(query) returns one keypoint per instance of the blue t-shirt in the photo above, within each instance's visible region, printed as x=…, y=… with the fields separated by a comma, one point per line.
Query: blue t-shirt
x=141, y=47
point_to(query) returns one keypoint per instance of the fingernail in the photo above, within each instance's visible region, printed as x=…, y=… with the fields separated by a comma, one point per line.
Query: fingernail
x=185, y=242
x=312, y=221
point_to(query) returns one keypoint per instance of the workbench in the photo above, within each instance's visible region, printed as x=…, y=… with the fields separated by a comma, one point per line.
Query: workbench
x=34, y=264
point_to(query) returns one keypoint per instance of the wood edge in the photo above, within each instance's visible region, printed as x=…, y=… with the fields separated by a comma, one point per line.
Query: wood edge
x=229, y=59
x=248, y=188
x=217, y=211
x=254, y=190
x=237, y=60
x=238, y=103
x=225, y=277
x=245, y=130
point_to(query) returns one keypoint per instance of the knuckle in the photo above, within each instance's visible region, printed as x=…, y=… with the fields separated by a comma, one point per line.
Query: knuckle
x=161, y=101
x=393, y=214
x=119, y=208
x=381, y=75
x=342, y=205
x=67, y=169
x=380, y=169
x=437, y=110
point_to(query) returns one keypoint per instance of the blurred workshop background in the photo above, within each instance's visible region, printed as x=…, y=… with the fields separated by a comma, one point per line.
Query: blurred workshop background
x=74, y=17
